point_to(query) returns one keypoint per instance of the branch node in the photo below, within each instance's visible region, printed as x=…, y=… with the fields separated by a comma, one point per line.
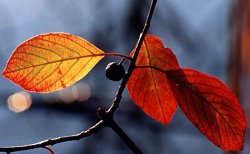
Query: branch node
x=105, y=116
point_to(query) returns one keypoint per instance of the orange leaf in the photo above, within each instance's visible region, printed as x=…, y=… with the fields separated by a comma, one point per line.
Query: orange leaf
x=148, y=88
x=51, y=61
x=211, y=107
x=158, y=83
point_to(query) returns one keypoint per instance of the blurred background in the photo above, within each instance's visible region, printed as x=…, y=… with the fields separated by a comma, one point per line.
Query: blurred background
x=208, y=35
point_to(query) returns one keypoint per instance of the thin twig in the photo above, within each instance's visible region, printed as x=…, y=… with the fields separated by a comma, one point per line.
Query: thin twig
x=54, y=141
x=125, y=138
x=118, y=97
x=104, y=121
x=109, y=121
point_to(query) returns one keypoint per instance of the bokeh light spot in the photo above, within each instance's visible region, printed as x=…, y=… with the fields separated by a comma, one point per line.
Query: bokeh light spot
x=19, y=102
x=81, y=91
x=66, y=95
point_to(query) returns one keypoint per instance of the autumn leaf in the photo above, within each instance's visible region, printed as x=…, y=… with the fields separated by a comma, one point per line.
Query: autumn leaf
x=51, y=61
x=158, y=83
x=148, y=88
x=210, y=106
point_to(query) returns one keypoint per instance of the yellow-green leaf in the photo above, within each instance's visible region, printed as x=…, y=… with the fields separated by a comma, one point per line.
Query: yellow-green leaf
x=51, y=61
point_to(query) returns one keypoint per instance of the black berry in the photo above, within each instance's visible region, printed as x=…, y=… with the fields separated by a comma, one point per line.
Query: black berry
x=114, y=71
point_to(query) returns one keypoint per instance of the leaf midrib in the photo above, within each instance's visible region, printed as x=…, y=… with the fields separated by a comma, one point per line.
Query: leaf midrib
x=151, y=71
x=55, y=61
x=207, y=102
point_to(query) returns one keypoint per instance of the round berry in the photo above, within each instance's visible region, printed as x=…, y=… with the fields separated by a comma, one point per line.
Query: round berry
x=115, y=71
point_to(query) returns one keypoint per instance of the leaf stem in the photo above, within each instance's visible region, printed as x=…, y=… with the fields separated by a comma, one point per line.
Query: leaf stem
x=116, y=55
x=153, y=67
x=49, y=149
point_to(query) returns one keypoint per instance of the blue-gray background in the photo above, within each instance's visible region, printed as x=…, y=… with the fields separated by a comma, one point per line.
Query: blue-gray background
x=196, y=30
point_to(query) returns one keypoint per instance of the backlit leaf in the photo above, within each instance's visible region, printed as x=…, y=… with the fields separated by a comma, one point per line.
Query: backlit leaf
x=51, y=61
x=211, y=107
x=158, y=83
x=148, y=88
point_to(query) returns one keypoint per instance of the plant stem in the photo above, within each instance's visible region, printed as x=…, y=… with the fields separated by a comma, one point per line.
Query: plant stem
x=125, y=138
x=54, y=141
x=118, y=96
x=109, y=121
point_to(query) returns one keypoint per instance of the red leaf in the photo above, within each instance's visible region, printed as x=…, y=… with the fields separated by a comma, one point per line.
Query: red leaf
x=158, y=83
x=211, y=107
x=150, y=89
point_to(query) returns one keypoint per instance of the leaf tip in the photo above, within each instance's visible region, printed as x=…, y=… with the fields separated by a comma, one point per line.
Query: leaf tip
x=52, y=61
x=4, y=73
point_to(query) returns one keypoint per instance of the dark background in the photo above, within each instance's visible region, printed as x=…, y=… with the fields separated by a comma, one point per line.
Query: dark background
x=198, y=31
